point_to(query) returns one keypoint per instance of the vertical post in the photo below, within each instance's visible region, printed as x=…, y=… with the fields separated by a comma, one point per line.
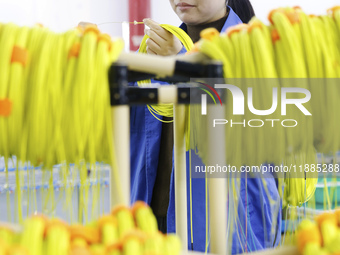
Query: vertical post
x=121, y=141
x=217, y=156
x=120, y=135
x=217, y=185
x=180, y=174
x=126, y=35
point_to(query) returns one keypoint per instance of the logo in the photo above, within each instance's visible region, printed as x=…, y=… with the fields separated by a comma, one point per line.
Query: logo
x=204, y=97
x=239, y=100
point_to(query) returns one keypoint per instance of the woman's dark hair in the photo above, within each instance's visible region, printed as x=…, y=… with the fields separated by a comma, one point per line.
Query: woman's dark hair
x=243, y=9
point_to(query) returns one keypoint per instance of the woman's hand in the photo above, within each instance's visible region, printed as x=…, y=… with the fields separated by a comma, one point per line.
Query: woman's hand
x=161, y=42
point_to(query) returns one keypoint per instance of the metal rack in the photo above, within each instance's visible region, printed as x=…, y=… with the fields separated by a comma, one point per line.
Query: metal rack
x=131, y=68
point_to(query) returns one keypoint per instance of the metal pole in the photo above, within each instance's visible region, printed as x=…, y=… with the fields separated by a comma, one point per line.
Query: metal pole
x=180, y=174
x=217, y=184
x=121, y=142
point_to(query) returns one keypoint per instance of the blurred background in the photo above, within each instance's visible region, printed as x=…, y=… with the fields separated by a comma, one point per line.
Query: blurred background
x=61, y=15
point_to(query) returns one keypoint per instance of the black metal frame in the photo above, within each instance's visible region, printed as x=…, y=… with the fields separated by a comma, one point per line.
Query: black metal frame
x=123, y=94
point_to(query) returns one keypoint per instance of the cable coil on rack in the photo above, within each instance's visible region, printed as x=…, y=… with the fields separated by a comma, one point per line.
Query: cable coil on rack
x=165, y=110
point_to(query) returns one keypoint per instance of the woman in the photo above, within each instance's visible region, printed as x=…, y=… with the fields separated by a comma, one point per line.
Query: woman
x=152, y=143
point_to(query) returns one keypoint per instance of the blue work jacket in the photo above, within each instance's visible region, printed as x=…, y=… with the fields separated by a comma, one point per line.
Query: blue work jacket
x=256, y=231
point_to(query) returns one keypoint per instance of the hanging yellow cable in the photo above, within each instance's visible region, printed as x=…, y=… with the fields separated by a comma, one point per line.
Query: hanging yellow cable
x=165, y=110
x=55, y=104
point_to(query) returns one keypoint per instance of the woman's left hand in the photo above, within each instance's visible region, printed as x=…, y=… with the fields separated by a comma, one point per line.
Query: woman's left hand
x=161, y=42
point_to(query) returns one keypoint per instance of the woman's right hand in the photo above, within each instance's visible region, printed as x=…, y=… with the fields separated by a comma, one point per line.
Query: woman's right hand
x=161, y=42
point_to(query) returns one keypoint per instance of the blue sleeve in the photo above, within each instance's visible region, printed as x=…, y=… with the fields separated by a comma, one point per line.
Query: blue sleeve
x=183, y=51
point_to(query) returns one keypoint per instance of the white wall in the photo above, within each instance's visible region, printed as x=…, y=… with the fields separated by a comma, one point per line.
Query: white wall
x=60, y=15
x=263, y=7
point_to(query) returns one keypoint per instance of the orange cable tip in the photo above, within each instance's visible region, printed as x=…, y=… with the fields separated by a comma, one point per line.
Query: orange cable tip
x=106, y=38
x=255, y=24
x=107, y=219
x=337, y=211
x=92, y=28
x=19, y=55
x=332, y=10
x=138, y=205
x=74, y=51
x=209, y=33
x=91, y=235
x=275, y=35
x=237, y=29
x=194, y=49
x=294, y=17
x=5, y=107
x=78, y=242
x=115, y=246
x=52, y=223
x=80, y=251
x=326, y=217
x=119, y=208
x=308, y=236
x=271, y=13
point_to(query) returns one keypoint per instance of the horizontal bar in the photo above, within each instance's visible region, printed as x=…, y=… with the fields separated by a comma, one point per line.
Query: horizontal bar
x=169, y=69
x=164, y=94
x=153, y=64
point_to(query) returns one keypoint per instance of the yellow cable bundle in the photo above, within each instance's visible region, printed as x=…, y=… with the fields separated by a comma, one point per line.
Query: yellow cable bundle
x=330, y=56
x=291, y=64
x=32, y=237
x=40, y=235
x=287, y=22
x=57, y=106
x=165, y=110
x=265, y=70
x=57, y=240
x=38, y=106
x=291, y=48
x=8, y=34
x=16, y=91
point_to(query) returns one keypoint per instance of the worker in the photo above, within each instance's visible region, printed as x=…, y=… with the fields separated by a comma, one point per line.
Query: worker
x=152, y=178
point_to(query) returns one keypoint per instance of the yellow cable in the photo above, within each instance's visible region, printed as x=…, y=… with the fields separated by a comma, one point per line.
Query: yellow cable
x=165, y=110
x=59, y=92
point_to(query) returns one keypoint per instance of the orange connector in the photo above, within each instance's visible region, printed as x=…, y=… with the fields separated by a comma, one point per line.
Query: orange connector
x=19, y=55
x=74, y=51
x=105, y=38
x=209, y=33
x=237, y=28
x=5, y=107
